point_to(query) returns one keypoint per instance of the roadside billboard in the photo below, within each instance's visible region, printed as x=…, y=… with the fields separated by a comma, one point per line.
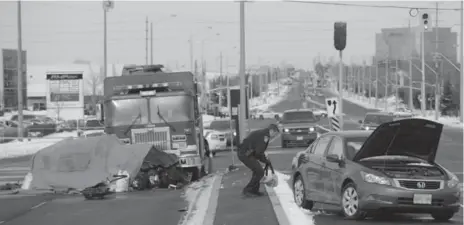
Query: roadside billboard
x=9, y=75
x=65, y=94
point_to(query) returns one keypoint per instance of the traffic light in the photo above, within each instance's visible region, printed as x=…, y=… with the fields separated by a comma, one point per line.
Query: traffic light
x=425, y=20
x=340, y=35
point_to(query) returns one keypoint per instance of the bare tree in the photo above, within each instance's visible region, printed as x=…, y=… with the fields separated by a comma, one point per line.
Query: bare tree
x=94, y=81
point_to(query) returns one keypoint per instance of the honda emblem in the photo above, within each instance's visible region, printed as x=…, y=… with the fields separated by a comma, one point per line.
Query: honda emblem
x=421, y=185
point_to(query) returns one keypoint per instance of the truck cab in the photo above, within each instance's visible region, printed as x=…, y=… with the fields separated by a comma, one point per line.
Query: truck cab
x=156, y=108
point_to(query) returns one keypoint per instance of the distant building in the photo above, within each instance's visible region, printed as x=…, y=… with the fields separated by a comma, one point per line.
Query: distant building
x=402, y=42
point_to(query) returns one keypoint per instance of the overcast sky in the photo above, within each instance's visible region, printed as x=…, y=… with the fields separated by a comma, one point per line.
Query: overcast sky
x=60, y=32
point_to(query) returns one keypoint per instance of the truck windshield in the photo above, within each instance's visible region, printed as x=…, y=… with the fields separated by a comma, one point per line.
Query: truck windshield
x=125, y=112
x=171, y=108
x=306, y=116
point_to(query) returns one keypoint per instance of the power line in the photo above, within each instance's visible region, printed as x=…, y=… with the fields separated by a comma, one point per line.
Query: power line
x=369, y=6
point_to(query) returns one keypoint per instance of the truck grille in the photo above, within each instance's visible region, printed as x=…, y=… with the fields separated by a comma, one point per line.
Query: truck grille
x=158, y=136
x=420, y=184
x=298, y=130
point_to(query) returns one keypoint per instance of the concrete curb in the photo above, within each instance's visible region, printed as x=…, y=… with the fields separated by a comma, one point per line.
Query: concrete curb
x=278, y=210
x=213, y=201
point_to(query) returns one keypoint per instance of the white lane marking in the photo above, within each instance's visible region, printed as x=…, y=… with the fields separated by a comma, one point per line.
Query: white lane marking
x=2, y=222
x=38, y=205
x=213, y=201
x=284, y=204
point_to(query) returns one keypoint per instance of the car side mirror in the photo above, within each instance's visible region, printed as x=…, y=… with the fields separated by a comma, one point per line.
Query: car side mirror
x=333, y=158
x=360, y=121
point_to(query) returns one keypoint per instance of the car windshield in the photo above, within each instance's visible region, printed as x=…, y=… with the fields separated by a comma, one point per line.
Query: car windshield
x=353, y=145
x=377, y=119
x=221, y=125
x=25, y=117
x=171, y=108
x=123, y=112
x=306, y=116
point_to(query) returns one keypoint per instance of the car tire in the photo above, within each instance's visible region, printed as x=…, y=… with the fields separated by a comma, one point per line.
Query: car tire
x=350, y=207
x=443, y=216
x=284, y=144
x=261, y=117
x=214, y=154
x=299, y=194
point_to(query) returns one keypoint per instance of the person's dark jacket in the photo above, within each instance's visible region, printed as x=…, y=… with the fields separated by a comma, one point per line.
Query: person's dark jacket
x=255, y=144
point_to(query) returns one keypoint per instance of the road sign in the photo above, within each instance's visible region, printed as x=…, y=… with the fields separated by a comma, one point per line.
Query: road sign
x=332, y=107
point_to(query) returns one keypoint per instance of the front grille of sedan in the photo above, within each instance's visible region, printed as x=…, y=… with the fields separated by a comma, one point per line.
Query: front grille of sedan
x=410, y=201
x=421, y=184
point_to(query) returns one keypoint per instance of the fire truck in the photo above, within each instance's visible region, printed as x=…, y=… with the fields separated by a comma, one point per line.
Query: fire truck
x=146, y=105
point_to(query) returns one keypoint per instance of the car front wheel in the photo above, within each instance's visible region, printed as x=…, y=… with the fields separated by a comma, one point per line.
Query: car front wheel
x=443, y=216
x=299, y=194
x=350, y=203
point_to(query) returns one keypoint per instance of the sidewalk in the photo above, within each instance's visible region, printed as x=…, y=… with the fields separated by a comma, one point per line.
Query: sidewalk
x=232, y=208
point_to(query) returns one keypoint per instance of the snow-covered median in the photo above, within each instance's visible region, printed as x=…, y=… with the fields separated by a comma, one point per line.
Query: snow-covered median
x=17, y=148
x=367, y=103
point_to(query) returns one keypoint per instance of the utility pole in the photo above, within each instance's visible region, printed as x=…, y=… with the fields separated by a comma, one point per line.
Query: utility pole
x=20, y=73
x=107, y=5
x=461, y=46
x=376, y=82
x=243, y=99
x=396, y=84
x=151, y=43
x=370, y=83
x=423, y=97
x=438, y=78
x=385, y=97
x=191, y=53
x=411, y=105
x=146, y=41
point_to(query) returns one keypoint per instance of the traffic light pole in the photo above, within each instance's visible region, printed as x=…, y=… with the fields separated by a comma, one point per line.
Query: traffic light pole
x=340, y=89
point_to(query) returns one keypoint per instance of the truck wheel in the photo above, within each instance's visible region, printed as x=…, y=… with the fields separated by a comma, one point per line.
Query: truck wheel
x=196, y=173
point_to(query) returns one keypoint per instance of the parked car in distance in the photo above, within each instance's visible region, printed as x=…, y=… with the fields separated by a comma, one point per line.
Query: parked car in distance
x=319, y=112
x=298, y=127
x=390, y=169
x=403, y=112
x=267, y=114
x=9, y=132
x=220, y=134
x=373, y=119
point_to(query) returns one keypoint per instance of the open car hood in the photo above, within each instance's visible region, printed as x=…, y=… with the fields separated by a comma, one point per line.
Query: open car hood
x=409, y=137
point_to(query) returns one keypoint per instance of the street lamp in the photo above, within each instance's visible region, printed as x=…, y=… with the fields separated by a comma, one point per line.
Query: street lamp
x=107, y=6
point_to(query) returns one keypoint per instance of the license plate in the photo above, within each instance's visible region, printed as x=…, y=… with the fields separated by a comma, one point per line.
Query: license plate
x=299, y=138
x=221, y=139
x=422, y=199
x=179, y=145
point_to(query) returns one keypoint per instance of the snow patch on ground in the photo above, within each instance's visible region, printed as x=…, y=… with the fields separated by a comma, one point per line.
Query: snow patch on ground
x=17, y=148
x=197, y=195
x=295, y=214
x=367, y=103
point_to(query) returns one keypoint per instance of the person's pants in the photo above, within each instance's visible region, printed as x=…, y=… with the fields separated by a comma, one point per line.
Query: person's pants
x=257, y=172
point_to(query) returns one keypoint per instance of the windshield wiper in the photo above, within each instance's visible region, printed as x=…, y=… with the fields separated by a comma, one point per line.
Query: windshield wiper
x=139, y=116
x=165, y=121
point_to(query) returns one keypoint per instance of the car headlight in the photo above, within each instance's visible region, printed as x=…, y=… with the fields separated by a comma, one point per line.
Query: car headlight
x=371, y=178
x=366, y=128
x=214, y=136
x=235, y=133
x=286, y=130
x=311, y=129
x=453, y=181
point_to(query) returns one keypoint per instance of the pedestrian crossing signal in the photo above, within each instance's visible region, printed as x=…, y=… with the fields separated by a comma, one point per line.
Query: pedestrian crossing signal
x=340, y=35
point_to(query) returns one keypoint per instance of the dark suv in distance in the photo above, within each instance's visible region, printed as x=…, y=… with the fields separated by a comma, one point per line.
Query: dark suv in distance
x=373, y=119
x=298, y=127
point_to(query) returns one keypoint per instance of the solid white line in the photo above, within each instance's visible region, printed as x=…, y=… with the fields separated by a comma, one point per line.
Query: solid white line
x=2, y=222
x=278, y=210
x=37, y=206
x=213, y=201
